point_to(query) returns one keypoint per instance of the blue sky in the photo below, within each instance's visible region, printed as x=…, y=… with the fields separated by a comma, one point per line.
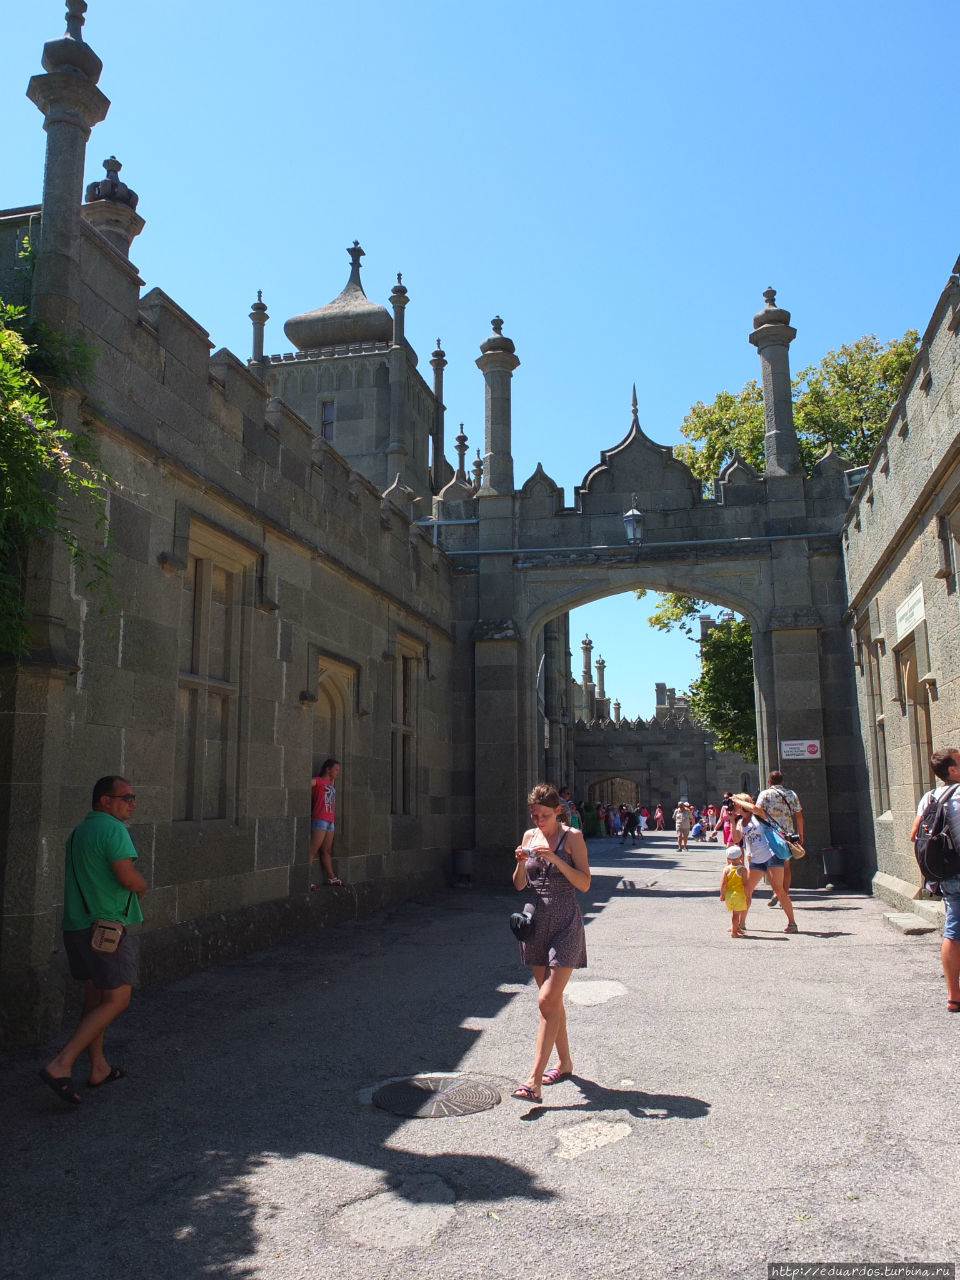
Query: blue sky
x=620, y=182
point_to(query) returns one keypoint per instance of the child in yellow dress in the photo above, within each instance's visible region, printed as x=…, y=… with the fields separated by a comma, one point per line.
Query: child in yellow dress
x=732, y=891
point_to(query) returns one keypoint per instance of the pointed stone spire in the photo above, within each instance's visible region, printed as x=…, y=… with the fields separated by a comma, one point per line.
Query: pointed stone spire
x=772, y=335
x=634, y=416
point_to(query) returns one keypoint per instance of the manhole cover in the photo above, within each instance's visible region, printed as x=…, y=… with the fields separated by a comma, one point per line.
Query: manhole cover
x=432, y=1097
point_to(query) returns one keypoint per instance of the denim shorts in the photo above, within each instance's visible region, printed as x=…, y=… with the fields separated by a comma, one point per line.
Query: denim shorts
x=320, y=824
x=951, y=904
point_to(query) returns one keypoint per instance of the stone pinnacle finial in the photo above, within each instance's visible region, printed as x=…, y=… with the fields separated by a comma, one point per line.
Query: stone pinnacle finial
x=356, y=253
x=497, y=324
x=635, y=417
x=461, y=448
x=75, y=19
x=259, y=305
x=111, y=188
x=477, y=471
x=70, y=53
x=771, y=313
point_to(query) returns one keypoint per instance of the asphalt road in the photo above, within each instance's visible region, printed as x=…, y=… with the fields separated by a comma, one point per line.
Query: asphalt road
x=735, y=1102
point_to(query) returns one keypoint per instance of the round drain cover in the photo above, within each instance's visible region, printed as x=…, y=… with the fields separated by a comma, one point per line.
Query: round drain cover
x=432, y=1097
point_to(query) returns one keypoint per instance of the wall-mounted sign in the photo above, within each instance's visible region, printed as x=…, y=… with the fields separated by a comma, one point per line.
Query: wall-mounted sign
x=800, y=749
x=910, y=612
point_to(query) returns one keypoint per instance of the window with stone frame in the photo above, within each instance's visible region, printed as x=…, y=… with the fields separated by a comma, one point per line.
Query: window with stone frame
x=913, y=696
x=404, y=731
x=211, y=636
x=326, y=419
x=868, y=652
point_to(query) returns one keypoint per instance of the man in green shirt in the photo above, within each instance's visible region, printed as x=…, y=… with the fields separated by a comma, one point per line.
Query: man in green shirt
x=100, y=882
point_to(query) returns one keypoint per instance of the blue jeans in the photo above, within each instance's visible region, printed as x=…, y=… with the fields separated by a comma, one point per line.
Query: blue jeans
x=951, y=902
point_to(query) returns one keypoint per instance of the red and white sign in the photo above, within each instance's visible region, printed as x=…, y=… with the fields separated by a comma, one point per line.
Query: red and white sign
x=800, y=749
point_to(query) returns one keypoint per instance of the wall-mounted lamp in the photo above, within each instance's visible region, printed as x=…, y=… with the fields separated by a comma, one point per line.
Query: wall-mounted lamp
x=633, y=523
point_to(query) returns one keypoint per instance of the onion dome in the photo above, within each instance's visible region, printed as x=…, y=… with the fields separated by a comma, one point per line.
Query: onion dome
x=351, y=317
x=496, y=341
x=771, y=313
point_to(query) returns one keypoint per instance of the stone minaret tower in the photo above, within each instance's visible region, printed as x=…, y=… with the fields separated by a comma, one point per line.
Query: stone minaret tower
x=588, y=690
x=497, y=362
x=602, y=701
x=71, y=104
x=439, y=467
x=772, y=336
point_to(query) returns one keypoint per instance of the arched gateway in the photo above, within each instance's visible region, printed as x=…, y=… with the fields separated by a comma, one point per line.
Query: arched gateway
x=767, y=546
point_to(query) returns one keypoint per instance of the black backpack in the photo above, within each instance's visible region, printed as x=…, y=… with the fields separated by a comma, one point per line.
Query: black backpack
x=937, y=857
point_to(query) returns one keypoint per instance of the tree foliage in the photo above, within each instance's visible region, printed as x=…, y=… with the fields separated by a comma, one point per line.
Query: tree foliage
x=42, y=465
x=674, y=610
x=722, y=698
x=845, y=400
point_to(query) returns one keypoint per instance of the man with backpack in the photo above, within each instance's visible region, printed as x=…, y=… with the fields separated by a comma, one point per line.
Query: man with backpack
x=935, y=854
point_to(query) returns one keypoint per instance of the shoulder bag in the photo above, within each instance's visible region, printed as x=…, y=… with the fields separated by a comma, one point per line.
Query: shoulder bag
x=105, y=935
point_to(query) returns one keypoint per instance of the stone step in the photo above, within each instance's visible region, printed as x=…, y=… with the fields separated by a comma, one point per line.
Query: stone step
x=909, y=922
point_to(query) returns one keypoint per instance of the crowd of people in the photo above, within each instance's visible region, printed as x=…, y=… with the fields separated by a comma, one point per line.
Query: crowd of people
x=761, y=836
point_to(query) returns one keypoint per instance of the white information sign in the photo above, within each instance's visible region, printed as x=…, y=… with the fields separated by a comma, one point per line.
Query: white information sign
x=910, y=612
x=800, y=749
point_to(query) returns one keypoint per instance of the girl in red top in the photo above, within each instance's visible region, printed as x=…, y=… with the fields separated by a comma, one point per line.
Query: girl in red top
x=323, y=798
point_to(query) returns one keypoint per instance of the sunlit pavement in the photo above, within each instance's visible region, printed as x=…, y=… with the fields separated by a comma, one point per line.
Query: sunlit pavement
x=734, y=1102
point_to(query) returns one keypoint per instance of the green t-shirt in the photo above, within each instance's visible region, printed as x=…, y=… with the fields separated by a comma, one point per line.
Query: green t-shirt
x=93, y=846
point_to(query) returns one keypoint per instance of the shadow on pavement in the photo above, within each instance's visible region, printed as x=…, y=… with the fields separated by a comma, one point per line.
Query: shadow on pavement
x=646, y=1106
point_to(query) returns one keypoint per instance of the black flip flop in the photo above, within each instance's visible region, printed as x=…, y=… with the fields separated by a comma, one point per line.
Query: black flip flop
x=62, y=1086
x=116, y=1073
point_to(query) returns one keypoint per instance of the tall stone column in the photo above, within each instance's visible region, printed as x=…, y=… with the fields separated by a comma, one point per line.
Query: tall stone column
x=258, y=318
x=397, y=446
x=497, y=362
x=438, y=469
x=71, y=104
x=772, y=335
x=32, y=698
x=553, y=699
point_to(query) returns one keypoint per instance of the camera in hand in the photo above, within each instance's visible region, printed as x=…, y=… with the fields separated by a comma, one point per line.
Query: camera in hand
x=521, y=922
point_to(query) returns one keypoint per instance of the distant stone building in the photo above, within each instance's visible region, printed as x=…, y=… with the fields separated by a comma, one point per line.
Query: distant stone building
x=667, y=758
